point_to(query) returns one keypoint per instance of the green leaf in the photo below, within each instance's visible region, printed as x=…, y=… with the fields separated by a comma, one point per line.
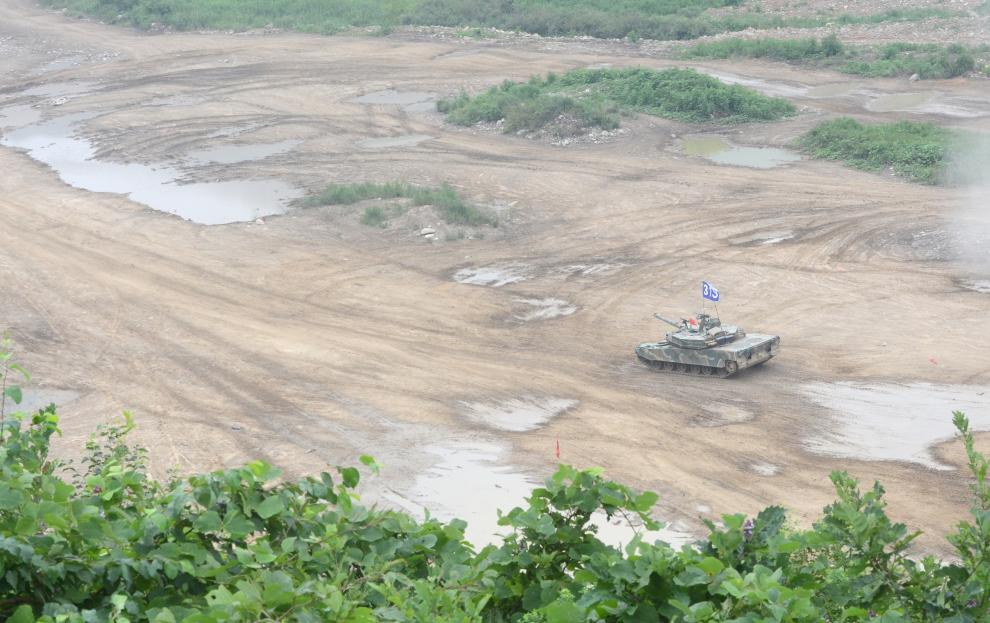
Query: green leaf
x=16, y=367
x=273, y=505
x=562, y=611
x=23, y=614
x=14, y=393
x=710, y=565
x=351, y=477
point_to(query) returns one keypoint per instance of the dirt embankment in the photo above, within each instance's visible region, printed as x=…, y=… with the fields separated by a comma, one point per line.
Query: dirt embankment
x=309, y=338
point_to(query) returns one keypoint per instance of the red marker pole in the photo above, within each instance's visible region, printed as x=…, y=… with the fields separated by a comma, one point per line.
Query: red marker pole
x=557, y=449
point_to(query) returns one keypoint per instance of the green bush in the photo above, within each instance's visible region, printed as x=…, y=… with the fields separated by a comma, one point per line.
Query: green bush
x=652, y=19
x=244, y=545
x=917, y=151
x=593, y=96
x=929, y=61
x=445, y=199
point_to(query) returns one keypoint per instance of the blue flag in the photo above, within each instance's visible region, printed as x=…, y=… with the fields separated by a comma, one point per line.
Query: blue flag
x=709, y=292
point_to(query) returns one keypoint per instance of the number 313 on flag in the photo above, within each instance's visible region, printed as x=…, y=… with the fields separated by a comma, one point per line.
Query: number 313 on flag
x=709, y=292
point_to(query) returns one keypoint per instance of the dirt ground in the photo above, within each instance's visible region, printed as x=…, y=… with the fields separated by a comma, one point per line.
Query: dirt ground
x=310, y=339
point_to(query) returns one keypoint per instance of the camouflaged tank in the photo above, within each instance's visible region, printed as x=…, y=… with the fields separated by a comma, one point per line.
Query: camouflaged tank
x=707, y=347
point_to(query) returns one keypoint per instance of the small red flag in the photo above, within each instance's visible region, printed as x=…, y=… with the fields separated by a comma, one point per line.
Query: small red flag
x=692, y=321
x=933, y=360
x=557, y=450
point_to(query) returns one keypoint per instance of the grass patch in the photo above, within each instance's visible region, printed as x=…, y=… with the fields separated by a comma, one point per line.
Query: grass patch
x=633, y=19
x=595, y=96
x=916, y=151
x=449, y=205
x=928, y=61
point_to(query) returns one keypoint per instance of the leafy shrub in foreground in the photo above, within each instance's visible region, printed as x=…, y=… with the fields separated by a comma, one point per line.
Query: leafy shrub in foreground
x=241, y=545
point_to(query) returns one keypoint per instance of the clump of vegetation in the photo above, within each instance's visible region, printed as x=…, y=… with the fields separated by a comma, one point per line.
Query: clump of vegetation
x=804, y=49
x=244, y=545
x=917, y=151
x=633, y=19
x=594, y=96
x=928, y=61
x=449, y=205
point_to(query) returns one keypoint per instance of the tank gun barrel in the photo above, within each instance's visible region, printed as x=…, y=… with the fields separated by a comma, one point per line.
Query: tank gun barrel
x=668, y=321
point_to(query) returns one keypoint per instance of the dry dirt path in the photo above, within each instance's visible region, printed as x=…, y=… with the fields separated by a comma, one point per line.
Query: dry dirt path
x=311, y=339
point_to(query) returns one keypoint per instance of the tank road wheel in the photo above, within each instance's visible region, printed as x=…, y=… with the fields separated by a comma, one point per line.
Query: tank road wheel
x=659, y=365
x=702, y=370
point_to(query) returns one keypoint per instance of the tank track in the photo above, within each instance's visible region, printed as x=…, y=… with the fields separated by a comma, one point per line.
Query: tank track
x=686, y=368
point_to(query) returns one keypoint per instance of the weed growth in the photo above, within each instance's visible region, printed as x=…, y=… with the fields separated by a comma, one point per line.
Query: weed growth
x=594, y=98
x=928, y=61
x=445, y=200
x=633, y=19
x=916, y=151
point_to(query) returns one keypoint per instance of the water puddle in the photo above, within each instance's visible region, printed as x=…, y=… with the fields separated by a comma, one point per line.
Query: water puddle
x=19, y=116
x=413, y=101
x=542, y=309
x=174, y=100
x=34, y=399
x=722, y=414
x=720, y=151
x=767, y=88
x=763, y=237
x=898, y=102
x=58, y=89
x=831, y=90
x=519, y=414
x=977, y=285
x=56, y=144
x=893, y=422
x=58, y=64
x=389, y=142
x=587, y=270
x=230, y=154
x=495, y=276
x=469, y=481
x=765, y=469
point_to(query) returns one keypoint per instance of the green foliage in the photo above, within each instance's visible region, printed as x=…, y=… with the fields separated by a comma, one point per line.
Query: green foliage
x=633, y=19
x=445, y=200
x=917, y=151
x=244, y=545
x=928, y=61
x=592, y=97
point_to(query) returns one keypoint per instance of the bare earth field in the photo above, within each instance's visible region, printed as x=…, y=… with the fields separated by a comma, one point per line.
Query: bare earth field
x=308, y=339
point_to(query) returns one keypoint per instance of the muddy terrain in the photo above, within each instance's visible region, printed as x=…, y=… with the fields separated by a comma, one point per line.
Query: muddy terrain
x=150, y=262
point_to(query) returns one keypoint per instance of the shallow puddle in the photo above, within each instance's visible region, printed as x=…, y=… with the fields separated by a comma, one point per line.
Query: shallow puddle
x=519, y=414
x=898, y=101
x=495, y=276
x=977, y=285
x=893, y=422
x=543, y=309
x=765, y=469
x=587, y=270
x=19, y=116
x=763, y=237
x=831, y=90
x=393, y=97
x=469, y=481
x=34, y=399
x=388, y=142
x=230, y=154
x=720, y=151
x=58, y=89
x=56, y=144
